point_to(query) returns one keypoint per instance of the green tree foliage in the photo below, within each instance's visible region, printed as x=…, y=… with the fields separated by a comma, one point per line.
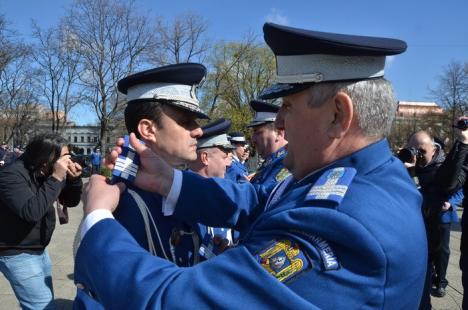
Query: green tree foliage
x=238, y=73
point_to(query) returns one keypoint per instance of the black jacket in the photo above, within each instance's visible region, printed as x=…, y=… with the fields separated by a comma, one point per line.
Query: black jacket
x=433, y=198
x=27, y=214
x=451, y=176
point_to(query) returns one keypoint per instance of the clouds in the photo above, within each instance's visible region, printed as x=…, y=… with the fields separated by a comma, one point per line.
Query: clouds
x=276, y=17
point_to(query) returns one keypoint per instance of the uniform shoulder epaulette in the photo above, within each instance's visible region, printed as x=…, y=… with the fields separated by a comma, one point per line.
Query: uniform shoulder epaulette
x=332, y=185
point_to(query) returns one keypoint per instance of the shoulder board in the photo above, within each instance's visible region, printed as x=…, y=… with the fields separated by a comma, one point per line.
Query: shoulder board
x=332, y=185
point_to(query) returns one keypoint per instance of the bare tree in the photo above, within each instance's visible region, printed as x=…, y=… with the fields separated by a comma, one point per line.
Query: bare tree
x=452, y=89
x=111, y=38
x=17, y=101
x=57, y=59
x=182, y=40
x=8, y=43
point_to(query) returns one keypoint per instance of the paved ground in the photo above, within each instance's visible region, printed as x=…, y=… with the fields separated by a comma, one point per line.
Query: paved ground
x=61, y=253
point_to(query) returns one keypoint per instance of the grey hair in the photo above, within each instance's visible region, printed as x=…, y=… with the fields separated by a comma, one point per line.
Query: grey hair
x=373, y=101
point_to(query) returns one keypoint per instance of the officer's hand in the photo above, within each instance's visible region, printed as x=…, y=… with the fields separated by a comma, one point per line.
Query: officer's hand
x=250, y=176
x=446, y=206
x=61, y=167
x=221, y=243
x=98, y=194
x=111, y=158
x=154, y=174
x=74, y=170
x=462, y=134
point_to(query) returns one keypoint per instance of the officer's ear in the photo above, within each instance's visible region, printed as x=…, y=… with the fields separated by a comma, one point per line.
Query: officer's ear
x=279, y=134
x=204, y=157
x=147, y=129
x=343, y=112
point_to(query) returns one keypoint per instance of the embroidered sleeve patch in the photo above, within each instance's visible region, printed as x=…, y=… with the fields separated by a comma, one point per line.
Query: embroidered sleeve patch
x=282, y=174
x=283, y=259
x=332, y=185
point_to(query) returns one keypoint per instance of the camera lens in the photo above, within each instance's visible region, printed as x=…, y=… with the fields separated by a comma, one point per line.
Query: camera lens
x=461, y=124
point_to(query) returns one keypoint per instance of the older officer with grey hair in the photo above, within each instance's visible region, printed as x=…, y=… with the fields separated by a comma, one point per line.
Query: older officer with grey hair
x=213, y=155
x=345, y=231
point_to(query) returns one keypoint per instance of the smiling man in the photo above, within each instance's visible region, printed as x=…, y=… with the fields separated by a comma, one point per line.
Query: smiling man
x=344, y=231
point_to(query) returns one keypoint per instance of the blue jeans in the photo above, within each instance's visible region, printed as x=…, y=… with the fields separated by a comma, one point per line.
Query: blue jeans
x=30, y=277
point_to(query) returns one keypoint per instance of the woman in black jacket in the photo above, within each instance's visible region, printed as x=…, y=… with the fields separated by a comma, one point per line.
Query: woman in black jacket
x=28, y=189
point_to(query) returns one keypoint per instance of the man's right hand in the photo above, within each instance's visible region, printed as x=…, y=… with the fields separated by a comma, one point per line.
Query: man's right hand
x=153, y=175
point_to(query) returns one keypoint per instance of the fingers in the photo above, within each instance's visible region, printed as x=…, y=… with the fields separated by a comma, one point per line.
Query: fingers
x=99, y=194
x=136, y=144
x=74, y=169
x=111, y=158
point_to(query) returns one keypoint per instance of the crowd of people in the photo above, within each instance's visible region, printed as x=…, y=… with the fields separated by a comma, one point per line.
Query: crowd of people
x=8, y=154
x=330, y=219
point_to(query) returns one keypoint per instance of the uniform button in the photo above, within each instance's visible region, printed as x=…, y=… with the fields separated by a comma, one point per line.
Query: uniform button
x=80, y=286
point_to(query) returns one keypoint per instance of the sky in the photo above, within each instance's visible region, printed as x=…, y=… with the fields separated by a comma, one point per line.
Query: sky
x=436, y=31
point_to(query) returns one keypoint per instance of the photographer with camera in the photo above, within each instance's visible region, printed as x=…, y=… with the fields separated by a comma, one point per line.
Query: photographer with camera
x=452, y=175
x=423, y=157
x=28, y=189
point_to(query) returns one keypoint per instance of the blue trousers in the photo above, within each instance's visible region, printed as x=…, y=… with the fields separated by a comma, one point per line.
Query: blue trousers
x=30, y=277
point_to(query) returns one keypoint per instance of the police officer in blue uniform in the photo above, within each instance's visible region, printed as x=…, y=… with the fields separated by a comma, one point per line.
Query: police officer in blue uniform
x=237, y=171
x=271, y=146
x=344, y=231
x=157, y=100
x=213, y=156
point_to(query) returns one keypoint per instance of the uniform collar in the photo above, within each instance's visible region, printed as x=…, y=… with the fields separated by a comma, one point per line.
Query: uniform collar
x=280, y=153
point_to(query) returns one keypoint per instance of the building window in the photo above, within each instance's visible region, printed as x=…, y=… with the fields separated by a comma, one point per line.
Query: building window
x=75, y=139
x=95, y=139
x=88, y=151
x=69, y=139
x=108, y=139
x=82, y=139
x=89, y=139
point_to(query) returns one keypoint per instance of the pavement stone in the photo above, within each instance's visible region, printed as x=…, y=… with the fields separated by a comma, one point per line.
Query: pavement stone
x=61, y=253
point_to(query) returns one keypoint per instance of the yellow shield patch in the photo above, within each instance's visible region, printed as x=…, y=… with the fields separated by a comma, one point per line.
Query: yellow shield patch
x=283, y=259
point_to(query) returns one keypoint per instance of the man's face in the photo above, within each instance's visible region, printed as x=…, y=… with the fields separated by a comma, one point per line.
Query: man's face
x=306, y=131
x=176, y=137
x=264, y=137
x=246, y=155
x=424, y=144
x=217, y=159
x=239, y=150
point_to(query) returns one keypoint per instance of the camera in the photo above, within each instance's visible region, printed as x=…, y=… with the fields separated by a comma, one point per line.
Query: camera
x=407, y=155
x=461, y=124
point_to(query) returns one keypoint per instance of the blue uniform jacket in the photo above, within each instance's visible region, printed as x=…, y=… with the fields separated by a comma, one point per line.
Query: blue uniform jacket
x=333, y=240
x=237, y=172
x=269, y=174
x=172, y=239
